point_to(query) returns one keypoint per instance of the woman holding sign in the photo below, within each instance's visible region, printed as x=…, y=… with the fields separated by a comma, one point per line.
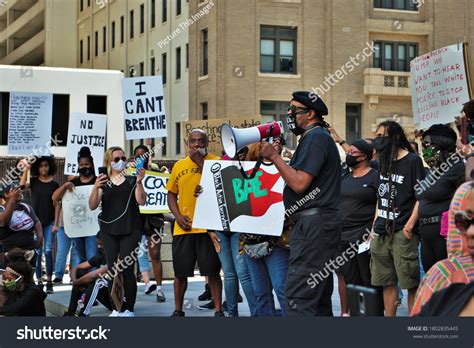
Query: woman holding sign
x=84, y=248
x=120, y=225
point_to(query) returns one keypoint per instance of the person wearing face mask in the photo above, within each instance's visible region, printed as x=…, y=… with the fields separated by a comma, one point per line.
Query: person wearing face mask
x=358, y=203
x=120, y=225
x=190, y=244
x=436, y=191
x=83, y=248
x=314, y=170
x=394, y=245
x=24, y=298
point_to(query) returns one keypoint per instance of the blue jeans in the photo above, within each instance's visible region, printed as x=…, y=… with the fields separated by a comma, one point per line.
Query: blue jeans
x=235, y=268
x=84, y=248
x=143, y=259
x=48, y=241
x=64, y=245
x=269, y=273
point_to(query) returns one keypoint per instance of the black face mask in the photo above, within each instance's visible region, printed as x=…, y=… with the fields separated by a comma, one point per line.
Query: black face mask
x=293, y=126
x=86, y=171
x=352, y=161
x=380, y=144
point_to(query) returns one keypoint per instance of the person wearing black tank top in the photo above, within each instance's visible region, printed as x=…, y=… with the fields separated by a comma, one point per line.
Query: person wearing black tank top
x=120, y=225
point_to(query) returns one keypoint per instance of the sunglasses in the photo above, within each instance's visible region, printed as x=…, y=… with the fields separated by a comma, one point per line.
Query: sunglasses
x=463, y=221
x=294, y=110
x=118, y=159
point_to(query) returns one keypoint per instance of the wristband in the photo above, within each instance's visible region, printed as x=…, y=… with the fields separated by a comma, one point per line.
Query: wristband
x=342, y=142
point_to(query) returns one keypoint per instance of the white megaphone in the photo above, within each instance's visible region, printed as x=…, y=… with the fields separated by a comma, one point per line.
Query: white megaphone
x=234, y=139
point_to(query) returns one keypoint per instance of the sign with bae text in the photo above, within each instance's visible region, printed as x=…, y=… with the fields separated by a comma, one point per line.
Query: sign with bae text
x=230, y=202
x=440, y=85
x=85, y=130
x=144, y=107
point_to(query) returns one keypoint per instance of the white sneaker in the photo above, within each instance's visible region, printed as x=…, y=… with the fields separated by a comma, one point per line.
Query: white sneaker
x=114, y=314
x=149, y=288
x=127, y=313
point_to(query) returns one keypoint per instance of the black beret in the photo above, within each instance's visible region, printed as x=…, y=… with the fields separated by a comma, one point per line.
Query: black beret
x=442, y=130
x=364, y=147
x=311, y=101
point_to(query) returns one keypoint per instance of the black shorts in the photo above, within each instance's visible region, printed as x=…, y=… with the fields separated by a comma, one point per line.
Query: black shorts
x=189, y=248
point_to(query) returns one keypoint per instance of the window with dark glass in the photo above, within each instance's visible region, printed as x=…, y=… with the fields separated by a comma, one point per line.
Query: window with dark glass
x=112, y=35
x=408, y=5
x=122, y=29
x=178, y=63
x=164, y=62
x=278, y=50
x=153, y=13
x=131, y=24
x=394, y=56
x=142, y=18
x=205, y=53
x=277, y=111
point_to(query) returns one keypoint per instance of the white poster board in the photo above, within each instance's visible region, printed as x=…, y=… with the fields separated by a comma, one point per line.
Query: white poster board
x=231, y=203
x=85, y=130
x=29, y=123
x=144, y=107
x=79, y=220
x=439, y=83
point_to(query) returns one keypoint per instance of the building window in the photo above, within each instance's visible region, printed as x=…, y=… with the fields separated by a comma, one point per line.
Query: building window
x=278, y=50
x=153, y=13
x=88, y=3
x=122, y=29
x=394, y=56
x=277, y=111
x=104, y=39
x=408, y=5
x=96, y=43
x=178, y=7
x=163, y=148
x=88, y=48
x=152, y=67
x=164, y=11
x=112, y=37
x=178, y=138
x=82, y=5
x=205, y=52
x=164, y=62
x=353, y=122
x=142, y=69
x=178, y=63
x=187, y=56
x=81, y=51
x=131, y=24
x=142, y=18
x=204, y=111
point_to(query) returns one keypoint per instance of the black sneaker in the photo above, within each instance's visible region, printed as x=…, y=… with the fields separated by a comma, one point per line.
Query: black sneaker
x=206, y=295
x=219, y=314
x=209, y=305
x=57, y=281
x=49, y=288
x=239, y=298
x=178, y=314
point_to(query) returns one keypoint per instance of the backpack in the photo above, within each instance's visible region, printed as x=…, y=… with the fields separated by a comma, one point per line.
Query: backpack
x=21, y=219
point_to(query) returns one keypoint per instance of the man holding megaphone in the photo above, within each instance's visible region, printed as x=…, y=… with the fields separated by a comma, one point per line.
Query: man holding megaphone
x=311, y=197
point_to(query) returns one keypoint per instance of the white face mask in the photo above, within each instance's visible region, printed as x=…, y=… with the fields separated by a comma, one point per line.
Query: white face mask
x=118, y=167
x=203, y=152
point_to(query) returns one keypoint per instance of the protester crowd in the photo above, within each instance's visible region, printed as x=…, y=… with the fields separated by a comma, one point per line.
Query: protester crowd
x=414, y=213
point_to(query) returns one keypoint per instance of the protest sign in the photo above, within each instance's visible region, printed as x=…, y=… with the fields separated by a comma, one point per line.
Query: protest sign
x=144, y=107
x=213, y=130
x=231, y=203
x=85, y=130
x=440, y=86
x=156, y=193
x=29, y=123
x=79, y=220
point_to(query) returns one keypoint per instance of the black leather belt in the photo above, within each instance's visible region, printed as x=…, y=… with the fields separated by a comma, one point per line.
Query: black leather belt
x=430, y=220
x=301, y=214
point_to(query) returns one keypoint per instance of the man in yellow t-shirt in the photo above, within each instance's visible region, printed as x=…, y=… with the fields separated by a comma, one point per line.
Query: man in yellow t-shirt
x=190, y=244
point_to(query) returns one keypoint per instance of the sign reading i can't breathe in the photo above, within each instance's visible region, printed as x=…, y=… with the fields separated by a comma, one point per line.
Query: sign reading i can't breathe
x=144, y=107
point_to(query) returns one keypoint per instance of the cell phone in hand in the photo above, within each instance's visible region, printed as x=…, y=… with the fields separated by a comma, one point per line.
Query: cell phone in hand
x=139, y=164
x=103, y=170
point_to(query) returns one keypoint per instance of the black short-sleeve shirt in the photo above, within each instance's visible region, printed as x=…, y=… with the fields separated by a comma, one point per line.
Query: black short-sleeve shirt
x=42, y=202
x=317, y=155
x=408, y=172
